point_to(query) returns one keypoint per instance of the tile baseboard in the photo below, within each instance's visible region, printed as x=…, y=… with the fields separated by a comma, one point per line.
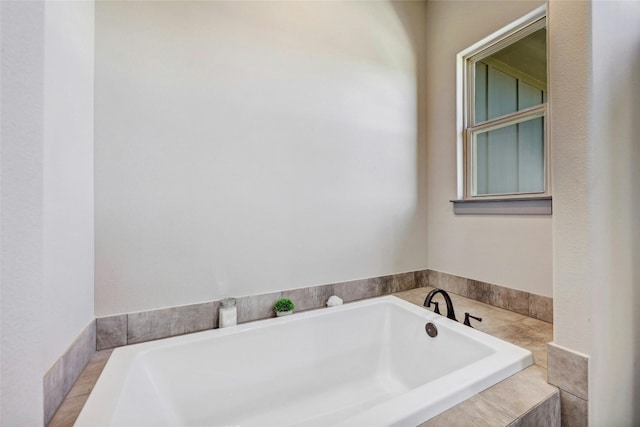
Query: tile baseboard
x=522, y=302
x=133, y=328
x=573, y=410
x=545, y=413
x=65, y=371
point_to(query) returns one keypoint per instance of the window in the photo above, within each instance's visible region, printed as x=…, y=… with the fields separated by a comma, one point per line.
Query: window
x=503, y=149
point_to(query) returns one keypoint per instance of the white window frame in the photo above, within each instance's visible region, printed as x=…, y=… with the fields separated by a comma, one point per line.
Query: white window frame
x=465, y=82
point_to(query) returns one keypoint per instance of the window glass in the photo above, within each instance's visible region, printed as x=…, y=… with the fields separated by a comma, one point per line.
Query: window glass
x=512, y=79
x=509, y=159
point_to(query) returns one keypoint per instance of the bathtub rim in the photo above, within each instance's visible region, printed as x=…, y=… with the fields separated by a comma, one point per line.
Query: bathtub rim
x=101, y=405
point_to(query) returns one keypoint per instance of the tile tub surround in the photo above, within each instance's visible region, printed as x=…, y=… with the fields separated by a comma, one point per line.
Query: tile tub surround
x=569, y=371
x=79, y=393
x=169, y=322
x=118, y=330
x=58, y=381
x=532, y=305
x=524, y=399
x=133, y=328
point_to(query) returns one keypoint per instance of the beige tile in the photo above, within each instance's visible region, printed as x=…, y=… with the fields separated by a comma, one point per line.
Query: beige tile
x=543, y=327
x=309, y=298
x=476, y=411
x=494, y=319
x=433, y=278
x=507, y=298
x=360, y=289
x=542, y=334
x=53, y=389
x=520, y=392
x=539, y=351
x=255, y=307
x=574, y=411
x=546, y=413
x=498, y=322
x=518, y=332
x=87, y=379
x=568, y=370
x=72, y=404
x=400, y=282
x=168, y=322
x=415, y=296
x=422, y=278
x=111, y=331
x=449, y=282
x=541, y=307
x=479, y=291
x=480, y=309
x=68, y=411
x=58, y=380
x=79, y=354
x=510, y=299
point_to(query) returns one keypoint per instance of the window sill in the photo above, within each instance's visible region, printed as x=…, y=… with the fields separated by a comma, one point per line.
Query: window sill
x=513, y=206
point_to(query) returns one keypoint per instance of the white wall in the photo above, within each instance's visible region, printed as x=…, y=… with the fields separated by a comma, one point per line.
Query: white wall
x=46, y=194
x=513, y=251
x=1, y=136
x=247, y=147
x=68, y=241
x=21, y=218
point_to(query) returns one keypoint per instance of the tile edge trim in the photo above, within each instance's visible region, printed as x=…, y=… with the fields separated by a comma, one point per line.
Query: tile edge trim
x=564, y=366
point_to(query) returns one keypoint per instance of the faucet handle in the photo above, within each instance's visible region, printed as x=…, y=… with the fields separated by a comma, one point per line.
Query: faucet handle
x=466, y=319
x=436, y=310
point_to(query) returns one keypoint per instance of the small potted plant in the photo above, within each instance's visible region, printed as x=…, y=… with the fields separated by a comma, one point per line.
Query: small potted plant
x=283, y=307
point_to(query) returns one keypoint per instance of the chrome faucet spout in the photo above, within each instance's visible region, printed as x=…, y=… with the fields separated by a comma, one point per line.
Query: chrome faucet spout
x=447, y=299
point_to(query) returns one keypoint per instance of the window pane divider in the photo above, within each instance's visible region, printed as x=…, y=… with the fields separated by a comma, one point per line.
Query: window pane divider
x=511, y=118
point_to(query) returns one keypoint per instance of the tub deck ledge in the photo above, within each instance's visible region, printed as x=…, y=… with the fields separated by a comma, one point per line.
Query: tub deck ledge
x=524, y=399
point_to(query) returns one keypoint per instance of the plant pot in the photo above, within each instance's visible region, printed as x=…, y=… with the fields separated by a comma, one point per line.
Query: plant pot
x=283, y=313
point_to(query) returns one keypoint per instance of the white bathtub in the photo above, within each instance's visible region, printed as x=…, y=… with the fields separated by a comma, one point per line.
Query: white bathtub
x=368, y=363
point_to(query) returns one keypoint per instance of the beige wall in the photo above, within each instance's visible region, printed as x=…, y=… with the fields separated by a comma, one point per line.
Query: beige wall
x=594, y=80
x=615, y=248
x=570, y=86
x=247, y=147
x=595, y=91
x=597, y=235
x=513, y=251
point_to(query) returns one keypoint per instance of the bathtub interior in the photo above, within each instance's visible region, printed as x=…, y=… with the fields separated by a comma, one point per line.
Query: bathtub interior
x=315, y=371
